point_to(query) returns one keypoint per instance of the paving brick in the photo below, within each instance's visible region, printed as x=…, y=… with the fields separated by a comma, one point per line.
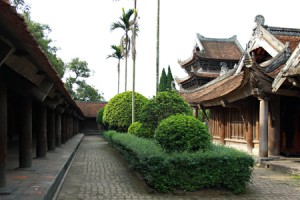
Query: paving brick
x=99, y=172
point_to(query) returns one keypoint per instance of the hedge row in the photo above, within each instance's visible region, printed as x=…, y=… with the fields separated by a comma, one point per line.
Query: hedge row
x=220, y=167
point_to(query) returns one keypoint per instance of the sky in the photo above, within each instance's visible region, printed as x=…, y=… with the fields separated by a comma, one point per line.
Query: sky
x=82, y=29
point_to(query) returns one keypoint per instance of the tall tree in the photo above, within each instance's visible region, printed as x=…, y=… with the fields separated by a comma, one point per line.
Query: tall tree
x=157, y=45
x=76, y=84
x=118, y=55
x=135, y=28
x=163, y=81
x=41, y=32
x=126, y=25
x=170, y=79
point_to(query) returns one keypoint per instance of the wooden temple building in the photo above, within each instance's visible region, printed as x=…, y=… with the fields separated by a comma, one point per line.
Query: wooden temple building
x=37, y=114
x=90, y=111
x=210, y=57
x=255, y=106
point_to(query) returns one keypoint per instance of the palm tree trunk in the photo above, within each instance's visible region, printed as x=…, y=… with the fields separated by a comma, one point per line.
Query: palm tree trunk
x=133, y=61
x=119, y=76
x=157, y=46
x=126, y=56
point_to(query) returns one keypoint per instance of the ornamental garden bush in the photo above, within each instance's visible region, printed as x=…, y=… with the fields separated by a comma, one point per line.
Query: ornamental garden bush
x=99, y=118
x=140, y=130
x=118, y=111
x=163, y=105
x=180, y=133
x=219, y=167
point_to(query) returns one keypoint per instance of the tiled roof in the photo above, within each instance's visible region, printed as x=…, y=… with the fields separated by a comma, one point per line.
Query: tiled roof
x=219, y=48
x=90, y=109
x=14, y=28
x=213, y=91
x=223, y=50
x=293, y=40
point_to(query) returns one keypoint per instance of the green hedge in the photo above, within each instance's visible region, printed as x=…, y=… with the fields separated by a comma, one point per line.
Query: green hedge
x=220, y=167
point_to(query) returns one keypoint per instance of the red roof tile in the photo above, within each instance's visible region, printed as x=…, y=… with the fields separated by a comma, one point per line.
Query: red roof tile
x=90, y=109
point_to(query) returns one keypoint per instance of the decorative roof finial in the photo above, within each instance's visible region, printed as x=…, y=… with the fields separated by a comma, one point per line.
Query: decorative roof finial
x=260, y=20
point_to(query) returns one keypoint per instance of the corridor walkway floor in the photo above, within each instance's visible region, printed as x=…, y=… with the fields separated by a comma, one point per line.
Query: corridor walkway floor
x=99, y=172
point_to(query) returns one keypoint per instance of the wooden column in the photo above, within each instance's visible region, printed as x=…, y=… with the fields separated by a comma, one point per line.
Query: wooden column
x=71, y=126
x=263, y=127
x=25, y=138
x=249, y=134
x=196, y=112
x=274, y=127
x=41, y=136
x=58, y=129
x=3, y=132
x=222, y=128
x=51, y=129
x=64, y=129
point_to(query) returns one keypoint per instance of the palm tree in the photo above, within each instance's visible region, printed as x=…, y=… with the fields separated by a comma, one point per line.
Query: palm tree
x=118, y=55
x=134, y=31
x=127, y=26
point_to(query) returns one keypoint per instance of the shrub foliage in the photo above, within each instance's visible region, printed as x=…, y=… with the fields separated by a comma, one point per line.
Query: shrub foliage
x=140, y=130
x=162, y=106
x=219, y=167
x=182, y=133
x=99, y=118
x=118, y=114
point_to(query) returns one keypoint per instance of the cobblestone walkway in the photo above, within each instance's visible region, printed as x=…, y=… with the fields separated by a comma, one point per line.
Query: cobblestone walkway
x=99, y=172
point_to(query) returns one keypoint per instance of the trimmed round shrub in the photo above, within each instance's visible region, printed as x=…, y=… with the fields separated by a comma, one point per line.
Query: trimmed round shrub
x=118, y=111
x=134, y=127
x=140, y=130
x=163, y=105
x=182, y=133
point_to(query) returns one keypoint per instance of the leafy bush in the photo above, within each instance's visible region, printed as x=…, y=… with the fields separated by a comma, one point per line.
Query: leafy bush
x=182, y=133
x=162, y=106
x=99, y=118
x=140, y=130
x=118, y=112
x=218, y=167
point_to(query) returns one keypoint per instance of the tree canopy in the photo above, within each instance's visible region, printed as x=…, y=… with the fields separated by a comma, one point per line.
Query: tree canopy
x=166, y=81
x=76, y=84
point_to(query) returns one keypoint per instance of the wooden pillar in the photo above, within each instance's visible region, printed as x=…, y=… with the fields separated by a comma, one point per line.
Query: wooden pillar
x=196, y=112
x=71, y=126
x=51, y=129
x=274, y=127
x=41, y=136
x=263, y=127
x=64, y=128
x=222, y=128
x=3, y=132
x=249, y=134
x=25, y=138
x=58, y=128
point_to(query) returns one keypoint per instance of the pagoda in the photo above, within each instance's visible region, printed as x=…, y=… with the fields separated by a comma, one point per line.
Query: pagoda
x=210, y=58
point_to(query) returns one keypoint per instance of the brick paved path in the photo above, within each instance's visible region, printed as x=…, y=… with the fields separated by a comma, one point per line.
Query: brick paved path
x=99, y=172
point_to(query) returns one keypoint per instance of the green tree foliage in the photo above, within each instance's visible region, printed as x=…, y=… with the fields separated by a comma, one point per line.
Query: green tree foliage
x=163, y=81
x=170, y=79
x=117, y=113
x=125, y=23
x=20, y=5
x=166, y=80
x=76, y=84
x=117, y=54
x=180, y=133
x=41, y=32
x=99, y=118
x=162, y=106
